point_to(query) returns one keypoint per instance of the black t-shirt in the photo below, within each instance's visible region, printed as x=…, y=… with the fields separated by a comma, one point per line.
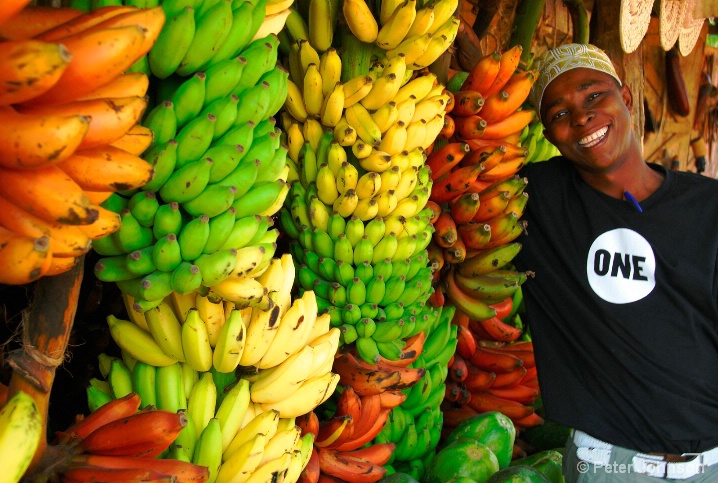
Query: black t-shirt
x=623, y=308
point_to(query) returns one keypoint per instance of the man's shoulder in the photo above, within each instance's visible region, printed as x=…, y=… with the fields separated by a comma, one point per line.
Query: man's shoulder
x=556, y=166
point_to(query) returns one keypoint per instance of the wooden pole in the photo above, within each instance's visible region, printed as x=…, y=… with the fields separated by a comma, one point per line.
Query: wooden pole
x=46, y=328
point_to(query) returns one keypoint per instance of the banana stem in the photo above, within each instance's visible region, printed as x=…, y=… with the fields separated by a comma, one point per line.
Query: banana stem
x=46, y=331
x=528, y=14
x=579, y=19
x=356, y=55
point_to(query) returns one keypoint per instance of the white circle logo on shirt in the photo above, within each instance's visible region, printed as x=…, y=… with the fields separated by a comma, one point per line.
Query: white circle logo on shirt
x=621, y=266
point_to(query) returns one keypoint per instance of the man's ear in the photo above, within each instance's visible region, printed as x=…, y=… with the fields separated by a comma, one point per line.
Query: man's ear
x=627, y=96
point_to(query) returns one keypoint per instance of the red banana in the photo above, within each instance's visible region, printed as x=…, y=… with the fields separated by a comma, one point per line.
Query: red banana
x=445, y=234
x=443, y=159
x=483, y=74
x=183, y=471
x=470, y=127
x=509, y=62
x=468, y=103
x=483, y=402
x=494, y=361
x=112, y=411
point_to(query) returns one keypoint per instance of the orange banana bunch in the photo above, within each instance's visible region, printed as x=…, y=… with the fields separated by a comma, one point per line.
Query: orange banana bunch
x=72, y=135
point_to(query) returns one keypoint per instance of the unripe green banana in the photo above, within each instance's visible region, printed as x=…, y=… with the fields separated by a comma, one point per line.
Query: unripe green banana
x=375, y=230
x=258, y=198
x=240, y=34
x=113, y=269
x=173, y=42
x=187, y=182
x=222, y=77
x=363, y=251
x=400, y=267
x=186, y=278
x=193, y=237
x=273, y=168
x=143, y=206
x=166, y=253
x=156, y=285
x=225, y=113
x=216, y=266
x=220, y=227
x=242, y=176
x=375, y=289
x=243, y=230
x=394, y=289
x=367, y=349
x=162, y=120
x=277, y=79
x=261, y=54
x=356, y=291
x=120, y=379
x=351, y=314
x=225, y=158
x=365, y=272
x=188, y=99
x=168, y=219
x=163, y=158
x=254, y=103
x=386, y=248
x=131, y=235
x=143, y=383
x=212, y=201
x=239, y=135
x=212, y=29
x=194, y=139
x=140, y=261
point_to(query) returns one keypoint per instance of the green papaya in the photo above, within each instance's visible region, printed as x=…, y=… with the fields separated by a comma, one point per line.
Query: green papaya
x=462, y=458
x=518, y=474
x=398, y=478
x=548, y=462
x=493, y=429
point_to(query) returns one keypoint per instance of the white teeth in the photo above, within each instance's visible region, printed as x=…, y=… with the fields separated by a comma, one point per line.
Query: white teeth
x=594, y=138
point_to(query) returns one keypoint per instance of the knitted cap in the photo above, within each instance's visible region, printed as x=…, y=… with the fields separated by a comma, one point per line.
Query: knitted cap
x=564, y=58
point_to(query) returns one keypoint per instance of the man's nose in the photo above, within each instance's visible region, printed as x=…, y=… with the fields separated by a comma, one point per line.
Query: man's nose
x=581, y=117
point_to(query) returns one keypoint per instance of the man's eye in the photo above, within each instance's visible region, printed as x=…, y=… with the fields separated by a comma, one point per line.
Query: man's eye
x=558, y=115
x=594, y=95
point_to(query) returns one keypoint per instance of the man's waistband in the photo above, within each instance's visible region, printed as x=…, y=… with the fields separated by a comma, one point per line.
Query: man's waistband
x=593, y=450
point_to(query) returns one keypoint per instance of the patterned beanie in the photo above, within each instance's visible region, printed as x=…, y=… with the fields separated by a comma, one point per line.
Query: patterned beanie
x=564, y=58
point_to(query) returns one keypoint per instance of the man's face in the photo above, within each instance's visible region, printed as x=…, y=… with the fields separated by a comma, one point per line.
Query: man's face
x=586, y=115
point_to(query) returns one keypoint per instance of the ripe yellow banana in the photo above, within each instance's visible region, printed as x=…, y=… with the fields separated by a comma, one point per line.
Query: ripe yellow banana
x=360, y=20
x=356, y=88
x=395, y=29
x=333, y=106
x=330, y=67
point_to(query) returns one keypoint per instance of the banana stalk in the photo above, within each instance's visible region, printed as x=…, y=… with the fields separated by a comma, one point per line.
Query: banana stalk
x=356, y=59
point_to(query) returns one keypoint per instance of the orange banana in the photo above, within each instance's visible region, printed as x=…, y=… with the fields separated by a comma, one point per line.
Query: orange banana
x=468, y=103
x=466, y=343
x=513, y=186
x=510, y=125
x=107, y=168
x=454, y=183
x=517, y=204
x=334, y=431
x=112, y=411
x=366, y=382
x=464, y=207
x=98, y=197
x=483, y=402
x=492, y=207
x=60, y=265
x=107, y=222
x=111, y=475
x=376, y=427
x=49, y=194
x=31, y=21
x=507, y=66
x=349, y=468
x=370, y=411
x=478, y=379
x=10, y=8
x=509, y=378
x=110, y=118
x=518, y=229
x=488, y=145
x=502, y=225
x=136, y=140
x=533, y=419
x=474, y=235
x=435, y=210
x=183, y=471
x=449, y=128
x=503, y=169
x=455, y=253
x=29, y=68
x=349, y=404
x=82, y=22
x=131, y=84
x=445, y=234
x=483, y=74
x=410, y=352
x=392, y=399
x=61, y=135
x=65, y=240
x=309, y=423
x=144, y=434
x=499, y=362
x=475, y=309
x=24, y=259
x=443, y=159
x=376, y=454
x=511, y=97
x=470, y=127
x=97, y=58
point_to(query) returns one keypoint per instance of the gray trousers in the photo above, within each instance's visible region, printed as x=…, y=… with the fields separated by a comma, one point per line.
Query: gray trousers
x=619, y=469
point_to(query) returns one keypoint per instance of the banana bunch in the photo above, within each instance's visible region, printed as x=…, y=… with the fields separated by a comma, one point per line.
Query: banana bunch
x=538, y=147
x=67, y=86
x=118, y=438
x=492, y=370
x=200, y=33
x=415, y=425
x=205, y=219
x=340, y=441
x=21, y=429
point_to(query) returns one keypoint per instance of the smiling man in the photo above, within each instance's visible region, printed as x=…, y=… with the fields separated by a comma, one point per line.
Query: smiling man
x=624, y=305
